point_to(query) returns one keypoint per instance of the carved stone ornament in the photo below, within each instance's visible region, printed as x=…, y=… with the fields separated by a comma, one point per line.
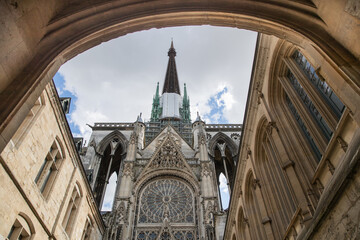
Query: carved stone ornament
x=121, y=212
x=342, y=143
x=205, y=170
x=167, y=157
x=221, y=147
x=209, y=213
x=202, y=138
x=133, y=138
x=330, y=166
x=248, y=153
x=92, y=144
x=246, y=221
x=258, y=90
x=270, y=127
x=256, y=182
x=319, y=186
x=128, y=170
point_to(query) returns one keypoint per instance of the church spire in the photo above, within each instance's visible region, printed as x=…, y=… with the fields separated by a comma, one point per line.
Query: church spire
x=156, y=110
x=171, y=84
x=186, y=106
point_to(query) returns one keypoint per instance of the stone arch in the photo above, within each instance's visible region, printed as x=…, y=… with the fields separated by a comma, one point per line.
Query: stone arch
x=60, y=147
x=224, y=160
x=233, y=237
x=241, y=224
x=222, y=136
x=253, y=209
x=28, y=221
x=78, y=188
x=111, y=136
x=189, y=178
x=112, y=149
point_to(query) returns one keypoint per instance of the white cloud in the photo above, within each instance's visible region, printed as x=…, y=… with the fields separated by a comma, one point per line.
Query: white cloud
x=109, y=193
x=116, y=80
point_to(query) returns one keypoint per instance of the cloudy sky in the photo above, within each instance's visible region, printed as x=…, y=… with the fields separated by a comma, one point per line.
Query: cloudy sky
x=116, y=80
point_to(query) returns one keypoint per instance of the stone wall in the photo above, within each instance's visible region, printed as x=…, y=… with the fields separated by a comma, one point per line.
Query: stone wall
x=21, y=162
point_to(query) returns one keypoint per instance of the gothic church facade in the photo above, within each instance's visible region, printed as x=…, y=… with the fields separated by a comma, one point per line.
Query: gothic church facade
x=167, y=169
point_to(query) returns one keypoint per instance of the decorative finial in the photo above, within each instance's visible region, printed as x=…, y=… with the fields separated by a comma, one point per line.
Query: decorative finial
x=139, y=119
x=198, y=118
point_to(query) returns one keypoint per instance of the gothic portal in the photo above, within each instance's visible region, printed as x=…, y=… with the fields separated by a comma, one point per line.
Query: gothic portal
x=168, y=169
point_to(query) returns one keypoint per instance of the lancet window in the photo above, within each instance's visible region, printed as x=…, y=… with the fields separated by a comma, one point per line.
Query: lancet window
x=302, y=126
x=49, y=168
x=72, y=209
x=110, y=163
x=309, y=104
x=252, y=201
x=319, y=83
x=222, y=150
x=314, y=105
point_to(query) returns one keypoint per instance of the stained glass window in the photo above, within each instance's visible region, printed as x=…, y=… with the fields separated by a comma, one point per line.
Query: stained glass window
x=166, y=195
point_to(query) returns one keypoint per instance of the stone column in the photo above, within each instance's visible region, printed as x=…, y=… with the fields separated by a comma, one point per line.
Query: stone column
x=123, y=199
x=223, y=157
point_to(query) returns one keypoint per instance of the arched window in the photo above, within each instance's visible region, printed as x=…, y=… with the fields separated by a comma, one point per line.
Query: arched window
x=49, y=169
x=165, y=202
x=21, y=229
x=241, y=221
x=311, y=101
x=112, y=148
x=72, y=210
x=279, y=202
x=257, y=230
x=87, y=229
x=28, y=121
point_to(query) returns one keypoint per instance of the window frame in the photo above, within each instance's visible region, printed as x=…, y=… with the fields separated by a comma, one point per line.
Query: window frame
x=49, y=169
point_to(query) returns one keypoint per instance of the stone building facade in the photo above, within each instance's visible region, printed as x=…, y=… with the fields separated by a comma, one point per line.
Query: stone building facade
x=167, y=169
x=44, y=190
x=297, y=174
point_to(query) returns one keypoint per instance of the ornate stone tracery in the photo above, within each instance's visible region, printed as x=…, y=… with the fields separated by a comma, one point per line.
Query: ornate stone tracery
x=167, y=157
x=166, y=195
x=166, y=210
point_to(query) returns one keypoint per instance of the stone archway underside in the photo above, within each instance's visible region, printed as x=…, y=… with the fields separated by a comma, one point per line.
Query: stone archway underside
x=62, y=29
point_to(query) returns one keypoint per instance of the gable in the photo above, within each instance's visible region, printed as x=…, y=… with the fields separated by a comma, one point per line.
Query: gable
x=167, y=156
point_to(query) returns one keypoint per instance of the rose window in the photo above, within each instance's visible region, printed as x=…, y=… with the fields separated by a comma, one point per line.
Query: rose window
x=166, y=198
